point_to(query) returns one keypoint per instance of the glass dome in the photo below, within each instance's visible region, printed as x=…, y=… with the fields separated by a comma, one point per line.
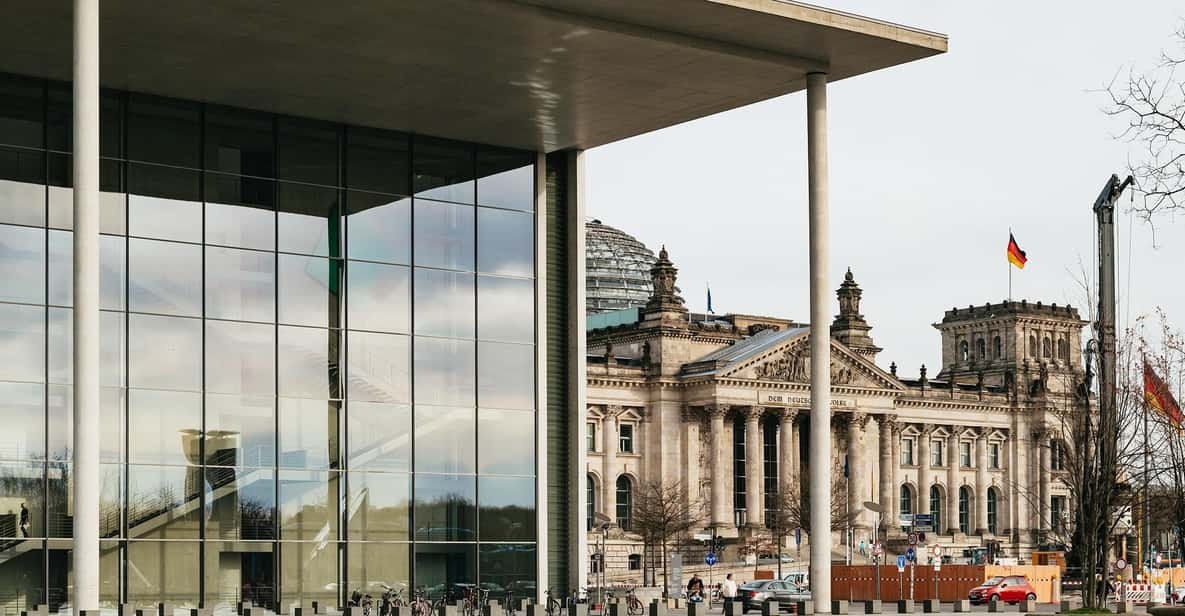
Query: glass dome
x=618, y=269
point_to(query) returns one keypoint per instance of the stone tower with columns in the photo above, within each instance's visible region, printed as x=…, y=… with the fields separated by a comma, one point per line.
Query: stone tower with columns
x=849, y=326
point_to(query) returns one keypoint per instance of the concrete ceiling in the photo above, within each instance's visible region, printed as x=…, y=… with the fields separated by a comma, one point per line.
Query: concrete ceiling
x=536, y=74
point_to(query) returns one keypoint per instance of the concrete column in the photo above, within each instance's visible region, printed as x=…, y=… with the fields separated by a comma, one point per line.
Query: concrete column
x=86, y=305
x=609, y=462
x=720, y=466
x=820, y=302
x=787, y=473
x=981, y=483
x=888, y=470
x=896, y=489
x=857, y=480
x=1041, y=442
x=952, y=480
x=923, y=504
x=691, y=455
x=754, y=469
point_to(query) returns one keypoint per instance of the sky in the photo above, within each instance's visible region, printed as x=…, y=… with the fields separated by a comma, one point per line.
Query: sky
x=931, y=164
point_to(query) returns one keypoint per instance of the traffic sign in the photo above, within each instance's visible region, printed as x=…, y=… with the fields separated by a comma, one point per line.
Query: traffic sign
x=901, y=563
x=710, y=558
x=878, y=549
x=913, y=538
x=910, y=554
x=1120, y=564
x=798, y=536
x=936, y=550
x=938, y=565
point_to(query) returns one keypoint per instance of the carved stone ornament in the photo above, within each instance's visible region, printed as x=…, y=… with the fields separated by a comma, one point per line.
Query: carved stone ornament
x=787, y=415
x=791, y=366
x=715, y=411
x=613, y=410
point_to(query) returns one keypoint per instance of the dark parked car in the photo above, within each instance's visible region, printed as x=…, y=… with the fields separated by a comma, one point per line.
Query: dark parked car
x=753, y=594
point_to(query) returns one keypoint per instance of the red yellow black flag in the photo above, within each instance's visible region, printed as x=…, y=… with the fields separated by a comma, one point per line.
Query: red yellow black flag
x=1016, y=256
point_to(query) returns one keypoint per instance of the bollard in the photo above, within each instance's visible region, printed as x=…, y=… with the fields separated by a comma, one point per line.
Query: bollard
x=616, y=608
x=581, y=609
x=962, y=606
x=534, y=609
x=1027, y=606
x=657, y=608
x=931, y=606
x=493, y=608
x=872, y=607
x=994, y=606
x=1064, y=606
x=449, y=609
x=693, y=609
x=1125, y=607
x=839, y=607
x=732, y=608
x=316, y=607
x=200, y=611
x=905, y=606
x=804, y=607
x=353, y=610
x=88, y=613
x=163, y=610
x=770, y=607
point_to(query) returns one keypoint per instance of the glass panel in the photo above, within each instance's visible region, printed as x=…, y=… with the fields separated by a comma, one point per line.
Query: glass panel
x=239, y=571
x=444, y=303
x=374, y=567
x=507, y=508
x=505, y=309
x=445, y=568
x=379, y=227
x=61, y=575
x=307, y=151
x=61, y=422
x=22, y=343
x=240, y=141
x=444, y=235
x=60, y=499
x=240, y=212
x=380, y=436
x=164, y=427
x=506, y=178
x=508, y=570
x=164, y=131
x=377, y=160
x=241, y=503
x=112, y=205
x=505, y=242
x=310, y=362
x=379, y=507
x=240, y=430
x=22, y=111
x=163, y=502
x=309, y=572
x=21, y=574
x=22, y=413
x=506, y=375
x=61, y=270
x=60, y=125
x=309, y=433
x=22, y=264
x=494, y=430
x=378, y=367
x=378, y=297
x=445, y=508
x=22, y=493
x=240, y=358
x=164, y=203
x=163, y=572
x=240, y=284
x=22, y=196
x=444, y=170
x=445, y=439
x=309, y=220
x=444, y=372
x=308, y=505
x=164, y=352
x=165, y=277
x=310, y=291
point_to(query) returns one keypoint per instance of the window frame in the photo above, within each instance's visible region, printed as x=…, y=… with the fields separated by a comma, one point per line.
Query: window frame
x=907, y=451
x=591, y=437
x=966, y=460
x=994, y=456
x=623, y=439
x=936, y=453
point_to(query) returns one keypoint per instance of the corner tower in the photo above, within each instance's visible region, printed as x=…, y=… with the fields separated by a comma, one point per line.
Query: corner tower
x=849, y=326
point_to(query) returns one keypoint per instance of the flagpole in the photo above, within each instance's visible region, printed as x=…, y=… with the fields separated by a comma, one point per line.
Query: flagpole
x=1008, y=263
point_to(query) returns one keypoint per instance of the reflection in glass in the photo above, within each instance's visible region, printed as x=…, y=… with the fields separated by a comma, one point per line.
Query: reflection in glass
x=444, y=235
x=162, y=130
x=60, y=407
x=60, y=583
x=162, y=217
x=164, y=427
x=164, y=571
x=240, y=284
x=309, y=221
x=445, y=508
x=112, y=206
x=374, y=567
x=506, y=242
x=239, y=571
x=510, y=567
x=163, y=502
x=309, y=363
x=21, y=569
x=22, y=193
x=505, y=309
x=506, y=178
x=378, y=297
x=164, y=277
x=444, y=372
x=308, y=505
x=23, y=502
x=380, y=436
x=164, y=352
x=379, y=227
x=22, y=116
x=444, y=303
x=444, y=170
x=378, y=369
x=22, y=343
x=506, y=375
x=239, y=141
x=309, y=572
x=240, y=358
x=22, y=264
x=61, y=270
x=60, y=499
x=241, y=503
x=309, y=433
x=496, y=428
x=307, y=150
x=507, y=508
x=379, y=507
x=310, y=291
x=444, y=439
x=441, y=567
x=240, y=212
x=377, y=160
x=240, y=430
x=22, y=408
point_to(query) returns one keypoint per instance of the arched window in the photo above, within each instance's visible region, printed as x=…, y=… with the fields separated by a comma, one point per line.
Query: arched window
x=624, y=502
x=981, y=349
x=1032, y=346
x=936, y=507
x=1046, y=350
x=963, y=353
x=965, y=510
x=992, y=503
x=590, y=495
x=998, y=347
x=906, y=499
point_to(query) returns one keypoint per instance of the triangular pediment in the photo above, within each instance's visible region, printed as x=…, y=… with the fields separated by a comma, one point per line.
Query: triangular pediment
x=789, y=362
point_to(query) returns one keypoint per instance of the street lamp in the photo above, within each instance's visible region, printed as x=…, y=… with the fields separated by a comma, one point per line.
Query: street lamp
x=879, y=510
x=602, y=523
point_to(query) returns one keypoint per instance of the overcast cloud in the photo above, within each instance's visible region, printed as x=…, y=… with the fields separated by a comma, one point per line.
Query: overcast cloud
x=931, y=163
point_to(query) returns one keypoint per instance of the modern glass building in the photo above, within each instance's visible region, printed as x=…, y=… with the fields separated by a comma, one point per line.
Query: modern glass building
x=337, y=343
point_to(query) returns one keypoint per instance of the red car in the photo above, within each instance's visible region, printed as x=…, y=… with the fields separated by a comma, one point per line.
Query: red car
x=1010, y=589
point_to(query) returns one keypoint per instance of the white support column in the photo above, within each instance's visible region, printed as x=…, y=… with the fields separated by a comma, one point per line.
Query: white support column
x=981, y=482
x=820, y=302
x=754, y=467
x=923, y=504
x=721, y=462
x=1041, y=442
x=888, y=485
x=953, y=460
x=691, y=456
x=86, y=305
x=787, y=473
x=609, y=462
x=857, y=481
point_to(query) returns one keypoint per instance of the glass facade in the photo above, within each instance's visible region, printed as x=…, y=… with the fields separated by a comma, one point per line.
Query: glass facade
x=318, y=357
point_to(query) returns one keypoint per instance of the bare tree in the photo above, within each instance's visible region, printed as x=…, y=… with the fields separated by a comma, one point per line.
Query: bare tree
x=794, y=510
x=1151, y=104
x=664, y=515
x=1164, y=350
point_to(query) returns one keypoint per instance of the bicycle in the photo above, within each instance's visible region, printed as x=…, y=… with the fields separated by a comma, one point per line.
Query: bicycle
x=634, y=606
x=392, y=598
x=554, y=606
x=422, y=606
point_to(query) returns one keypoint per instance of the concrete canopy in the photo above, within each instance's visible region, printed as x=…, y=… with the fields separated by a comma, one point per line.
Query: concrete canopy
x=536, y=74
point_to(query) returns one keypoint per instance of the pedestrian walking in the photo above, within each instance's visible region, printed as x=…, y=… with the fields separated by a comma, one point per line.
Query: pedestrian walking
x=728, y=590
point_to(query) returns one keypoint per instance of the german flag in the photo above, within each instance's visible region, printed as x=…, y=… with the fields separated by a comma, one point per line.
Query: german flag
x=1158, y=396
x=1016, y=256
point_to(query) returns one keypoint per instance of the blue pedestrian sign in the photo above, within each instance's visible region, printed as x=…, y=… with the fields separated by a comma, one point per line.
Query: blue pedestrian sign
x=798, y=536
x=710, y=558
x=910, y=554
x=900, y=562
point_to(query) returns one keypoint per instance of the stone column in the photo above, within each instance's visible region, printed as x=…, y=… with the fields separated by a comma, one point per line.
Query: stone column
x=981, y=483
x=1041, y=442
x=691, y=454
x=952, y=481
x=787, y=473
x=896, y=500
x=609, y=462
x=720, y=465
x=754, y=468
x=857, y=481
x=923, y=504
x=888, y=474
